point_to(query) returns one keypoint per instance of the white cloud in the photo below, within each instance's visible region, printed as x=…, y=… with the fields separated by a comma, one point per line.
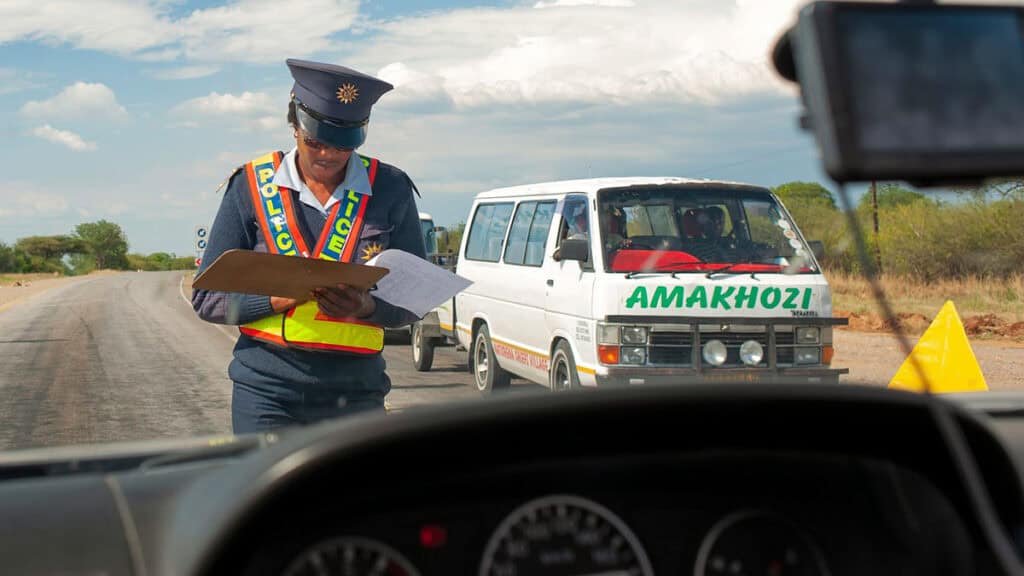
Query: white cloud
x=564, y=3
x=79, y=100
x=184, y=72
x=159, y=55
x=33, y=204
x=118, y=26
x=217, y=104
x=262, y=30
x=582, y=51
x=64, y=137
x=244, y=30
x=277, y=122
x=12, y=80
x=245, y=112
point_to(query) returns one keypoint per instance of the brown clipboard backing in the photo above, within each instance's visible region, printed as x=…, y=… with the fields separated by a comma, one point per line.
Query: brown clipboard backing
x=248, y=272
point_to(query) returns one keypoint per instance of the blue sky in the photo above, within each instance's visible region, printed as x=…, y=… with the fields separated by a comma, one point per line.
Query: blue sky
x=136, y=111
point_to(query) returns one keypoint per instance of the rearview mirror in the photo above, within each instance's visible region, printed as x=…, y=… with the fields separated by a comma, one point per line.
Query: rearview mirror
x=921, y=92
x=578, y=250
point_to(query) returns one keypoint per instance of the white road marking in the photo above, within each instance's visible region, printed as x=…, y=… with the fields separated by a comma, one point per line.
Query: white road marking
x=222, y=329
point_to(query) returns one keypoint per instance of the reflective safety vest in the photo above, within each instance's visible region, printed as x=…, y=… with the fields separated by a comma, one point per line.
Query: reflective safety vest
x=304, y=326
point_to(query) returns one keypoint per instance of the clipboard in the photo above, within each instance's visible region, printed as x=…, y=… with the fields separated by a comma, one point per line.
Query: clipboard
x=249, y=272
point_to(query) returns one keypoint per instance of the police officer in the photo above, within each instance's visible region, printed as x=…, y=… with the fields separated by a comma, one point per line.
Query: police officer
x=300, y=361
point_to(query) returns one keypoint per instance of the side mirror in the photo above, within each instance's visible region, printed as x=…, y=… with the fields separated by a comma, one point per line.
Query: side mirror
x=441, y=234
x=578, y=250
x=817, y=248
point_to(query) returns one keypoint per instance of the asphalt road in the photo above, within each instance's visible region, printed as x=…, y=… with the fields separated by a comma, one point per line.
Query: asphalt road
x=124, y=357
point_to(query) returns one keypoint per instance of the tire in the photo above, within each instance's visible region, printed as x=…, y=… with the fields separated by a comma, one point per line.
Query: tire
x=563, y=376
x=488, y=376
x=422, y=349
x=397, y=337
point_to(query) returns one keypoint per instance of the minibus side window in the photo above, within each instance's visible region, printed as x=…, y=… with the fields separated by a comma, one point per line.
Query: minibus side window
x=539, y=233
x=574, y=218
x=515, y=249
x=575, y=223
x=487, y=232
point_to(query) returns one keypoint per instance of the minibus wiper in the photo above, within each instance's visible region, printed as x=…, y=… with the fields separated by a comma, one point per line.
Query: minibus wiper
x=730, y=267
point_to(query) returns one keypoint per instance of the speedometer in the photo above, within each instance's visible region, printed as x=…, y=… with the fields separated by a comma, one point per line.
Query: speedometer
x=758, y=543
x=350, y=556
x=563, y=535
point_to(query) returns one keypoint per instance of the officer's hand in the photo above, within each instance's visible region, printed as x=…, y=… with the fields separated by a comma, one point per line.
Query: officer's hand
x=344, y=302
x=280, y=304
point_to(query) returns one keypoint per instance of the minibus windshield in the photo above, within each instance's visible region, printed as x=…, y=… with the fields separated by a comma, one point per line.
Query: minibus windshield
x=699, y=230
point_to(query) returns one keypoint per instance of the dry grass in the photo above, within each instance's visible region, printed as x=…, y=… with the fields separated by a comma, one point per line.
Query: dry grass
x=972, y=296
x=10, y=278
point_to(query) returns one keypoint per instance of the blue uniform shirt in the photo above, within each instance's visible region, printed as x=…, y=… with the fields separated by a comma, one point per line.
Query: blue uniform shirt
x=391, y=221
x=356, y=179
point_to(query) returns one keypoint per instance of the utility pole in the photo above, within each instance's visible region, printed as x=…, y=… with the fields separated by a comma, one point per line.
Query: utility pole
x=874, y=217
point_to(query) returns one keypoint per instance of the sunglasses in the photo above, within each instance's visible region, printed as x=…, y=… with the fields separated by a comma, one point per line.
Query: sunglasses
x=314, y=144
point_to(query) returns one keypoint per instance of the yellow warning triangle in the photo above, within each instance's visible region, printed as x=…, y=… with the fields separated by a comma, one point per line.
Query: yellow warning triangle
x=945, y=358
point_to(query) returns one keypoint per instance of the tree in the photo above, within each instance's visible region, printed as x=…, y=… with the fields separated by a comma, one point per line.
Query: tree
x=454, y=239
x=1011, y=188
x=79, y=264
x=160, y=260
x=802, y=193
x=890, y=196
x=51, y=248
x=106, y=242
x=8, y=258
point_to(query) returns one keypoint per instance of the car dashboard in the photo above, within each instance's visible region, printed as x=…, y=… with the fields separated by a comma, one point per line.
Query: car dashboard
x=704, y=480
x=721, y=513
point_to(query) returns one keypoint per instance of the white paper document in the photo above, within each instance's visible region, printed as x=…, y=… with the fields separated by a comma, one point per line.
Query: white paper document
x=414, y=283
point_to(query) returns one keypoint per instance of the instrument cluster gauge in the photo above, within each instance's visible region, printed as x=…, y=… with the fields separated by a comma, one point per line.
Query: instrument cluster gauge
x=350, y=556
x=563, y=535
x=758, y=543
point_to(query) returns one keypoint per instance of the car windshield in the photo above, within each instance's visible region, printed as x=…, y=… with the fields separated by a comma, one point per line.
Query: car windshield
x=611, y=194
x=698, y=229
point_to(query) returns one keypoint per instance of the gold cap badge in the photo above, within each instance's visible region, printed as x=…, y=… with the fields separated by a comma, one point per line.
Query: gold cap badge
x=347, y=93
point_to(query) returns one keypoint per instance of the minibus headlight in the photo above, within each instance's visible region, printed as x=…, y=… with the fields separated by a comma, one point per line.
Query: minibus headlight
x=634, y=335
x=808, y=335
x=633, y=355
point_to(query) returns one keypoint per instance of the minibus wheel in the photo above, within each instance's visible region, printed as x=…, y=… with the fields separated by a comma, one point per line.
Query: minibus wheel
x=563, y=374
x=422, y=349
x=486, y=372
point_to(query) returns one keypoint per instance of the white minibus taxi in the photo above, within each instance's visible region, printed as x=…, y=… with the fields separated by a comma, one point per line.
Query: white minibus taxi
x=638, y=281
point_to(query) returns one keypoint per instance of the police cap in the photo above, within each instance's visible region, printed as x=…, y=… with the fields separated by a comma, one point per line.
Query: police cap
x=333, y=102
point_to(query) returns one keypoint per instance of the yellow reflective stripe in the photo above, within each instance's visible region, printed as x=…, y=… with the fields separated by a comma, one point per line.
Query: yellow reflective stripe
x=517, y=347
x=269, y=325
x=585, y=370
x=302, y=328
x=267, y=158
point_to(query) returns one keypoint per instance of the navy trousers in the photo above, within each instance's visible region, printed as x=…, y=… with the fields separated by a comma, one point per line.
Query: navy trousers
x=265, y=407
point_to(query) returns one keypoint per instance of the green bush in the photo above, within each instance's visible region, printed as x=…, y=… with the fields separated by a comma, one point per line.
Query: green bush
x=928, y=241
x=183, y=263
x=918, y=236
